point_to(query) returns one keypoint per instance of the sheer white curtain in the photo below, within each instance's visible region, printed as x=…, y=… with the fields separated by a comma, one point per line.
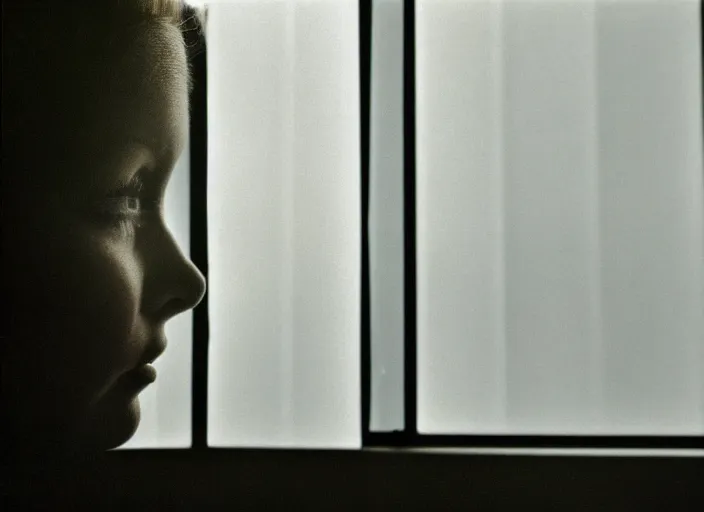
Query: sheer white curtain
x=559, y=217
x=284, y=214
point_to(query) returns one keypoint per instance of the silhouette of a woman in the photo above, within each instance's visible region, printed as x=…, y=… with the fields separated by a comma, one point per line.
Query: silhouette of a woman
x=95, y=115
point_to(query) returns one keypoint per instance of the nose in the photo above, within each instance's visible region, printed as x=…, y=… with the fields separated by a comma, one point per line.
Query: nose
x=172, y=283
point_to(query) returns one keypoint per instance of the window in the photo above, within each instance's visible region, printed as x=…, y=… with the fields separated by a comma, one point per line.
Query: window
x=521, y=254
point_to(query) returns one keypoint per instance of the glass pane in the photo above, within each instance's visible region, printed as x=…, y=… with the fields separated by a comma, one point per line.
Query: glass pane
x=386, y=265
x=560, y=217
x=284, y=219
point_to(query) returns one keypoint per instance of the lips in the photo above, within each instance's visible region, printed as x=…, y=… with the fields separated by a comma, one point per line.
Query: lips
x=143, y=373
x=155, y=348
x=146, y=372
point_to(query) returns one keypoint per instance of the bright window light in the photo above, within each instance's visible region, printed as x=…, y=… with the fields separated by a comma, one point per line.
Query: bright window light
x=560, y=217
x=284, y=224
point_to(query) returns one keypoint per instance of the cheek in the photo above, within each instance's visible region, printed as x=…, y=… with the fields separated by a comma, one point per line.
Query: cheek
x=105, y=304
x=76, y=299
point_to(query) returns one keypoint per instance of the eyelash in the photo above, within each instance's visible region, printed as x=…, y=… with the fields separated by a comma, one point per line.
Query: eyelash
x=117, y=209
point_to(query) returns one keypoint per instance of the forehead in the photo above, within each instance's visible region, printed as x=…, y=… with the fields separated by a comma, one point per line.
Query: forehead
x=77, y=99
x=149, y=89
x=137, y=94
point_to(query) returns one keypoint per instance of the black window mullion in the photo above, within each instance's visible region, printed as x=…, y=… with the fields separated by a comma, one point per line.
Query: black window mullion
x=365, y=37
x=199, y=227
x=409, y=225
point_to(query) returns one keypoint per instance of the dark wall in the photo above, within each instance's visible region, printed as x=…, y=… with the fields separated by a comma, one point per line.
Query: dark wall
x=357, y=480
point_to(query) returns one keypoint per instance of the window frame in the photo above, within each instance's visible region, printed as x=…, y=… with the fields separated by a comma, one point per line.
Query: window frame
x=409, y=437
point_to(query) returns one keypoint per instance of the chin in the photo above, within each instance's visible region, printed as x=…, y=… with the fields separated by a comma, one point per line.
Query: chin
x=110, y=427
x=106, y=428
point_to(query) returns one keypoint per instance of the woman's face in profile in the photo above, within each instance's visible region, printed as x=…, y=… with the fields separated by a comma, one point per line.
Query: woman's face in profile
x=91, y=269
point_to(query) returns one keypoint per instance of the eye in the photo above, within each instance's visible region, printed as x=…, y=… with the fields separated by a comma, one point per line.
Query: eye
x=125, y=207
x=132, y=203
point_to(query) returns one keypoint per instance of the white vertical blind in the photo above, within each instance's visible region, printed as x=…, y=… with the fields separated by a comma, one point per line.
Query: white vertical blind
x=284, y=224
x=559, y=217
x=166, y=404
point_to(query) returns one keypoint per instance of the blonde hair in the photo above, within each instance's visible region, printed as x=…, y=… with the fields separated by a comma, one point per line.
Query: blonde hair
x=165, y=9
